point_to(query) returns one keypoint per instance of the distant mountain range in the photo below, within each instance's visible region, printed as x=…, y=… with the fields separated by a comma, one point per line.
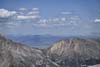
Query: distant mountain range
x=36, y=40
x=44, y=40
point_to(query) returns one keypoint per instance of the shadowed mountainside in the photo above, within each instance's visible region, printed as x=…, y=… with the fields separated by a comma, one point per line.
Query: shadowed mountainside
x=18, y=55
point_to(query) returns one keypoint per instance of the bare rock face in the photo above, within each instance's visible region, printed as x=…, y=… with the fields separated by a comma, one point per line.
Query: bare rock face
x=75, y=51
x=18, y=55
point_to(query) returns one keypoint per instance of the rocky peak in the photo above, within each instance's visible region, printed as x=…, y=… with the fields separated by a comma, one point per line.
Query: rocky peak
x=73, y=49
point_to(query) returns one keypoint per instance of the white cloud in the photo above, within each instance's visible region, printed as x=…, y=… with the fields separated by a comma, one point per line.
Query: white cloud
x=23, y=9
x=63, y=19
x=75, y=18
x=35, y=9
x=55, y=20
x=34, y=15
x=28, y=15
x=52, y=21
x=33, y=12
x=5, y=13
x=18, y=16
x=22, y=17
x=59, y=21
x=97, y=20
x=66, y=12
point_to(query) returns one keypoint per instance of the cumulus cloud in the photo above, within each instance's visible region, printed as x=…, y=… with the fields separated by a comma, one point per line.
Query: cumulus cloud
x=5, y=13
x=97, y=20
x=22, y=9
x=66, y=12
x=22, y=17
x=34, y=15
x=29, y=14
x=33, y=12
x=35, y=9
x=12, y=18
x=63, y=19
x=73, y=20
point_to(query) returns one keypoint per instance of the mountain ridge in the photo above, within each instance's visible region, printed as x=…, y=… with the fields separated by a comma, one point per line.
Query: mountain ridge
x=72, y=52
x=75, y=51
x=44, y=40
x=18, y=55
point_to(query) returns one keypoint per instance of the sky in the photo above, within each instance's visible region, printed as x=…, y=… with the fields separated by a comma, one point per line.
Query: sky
x=54, y=17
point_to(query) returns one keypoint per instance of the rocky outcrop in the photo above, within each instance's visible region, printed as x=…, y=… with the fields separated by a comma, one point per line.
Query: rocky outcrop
x=75, y=51
x=18, y=55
